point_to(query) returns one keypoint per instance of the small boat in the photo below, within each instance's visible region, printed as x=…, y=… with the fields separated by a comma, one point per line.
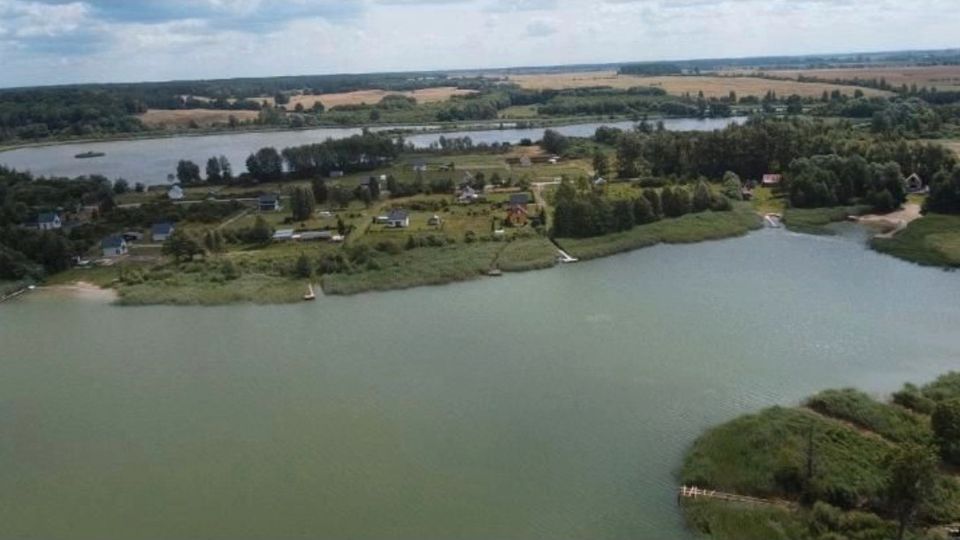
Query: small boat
x=495, y=272
x=90, y=154
x=310, y=294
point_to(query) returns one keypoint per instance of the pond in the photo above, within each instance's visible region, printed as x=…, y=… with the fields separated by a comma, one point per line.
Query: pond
x=552, y=404
x=151, y=160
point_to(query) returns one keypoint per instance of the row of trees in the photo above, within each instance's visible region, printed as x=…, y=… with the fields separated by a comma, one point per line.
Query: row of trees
x=833, y=180
x=581, y=211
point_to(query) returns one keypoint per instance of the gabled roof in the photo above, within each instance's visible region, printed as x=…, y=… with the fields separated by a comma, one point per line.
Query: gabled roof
x=113, y=241
x=269, y=199
x=398, y=214
x=519, y=199
x=47, y=217
x=161, y=228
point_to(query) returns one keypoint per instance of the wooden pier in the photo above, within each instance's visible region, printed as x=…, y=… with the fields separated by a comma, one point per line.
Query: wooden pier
x=693, y=492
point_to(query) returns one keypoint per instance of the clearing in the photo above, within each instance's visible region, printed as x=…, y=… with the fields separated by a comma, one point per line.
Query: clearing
x=943, y=77
x=201, y=117
x=372, y=97
x=712, y=86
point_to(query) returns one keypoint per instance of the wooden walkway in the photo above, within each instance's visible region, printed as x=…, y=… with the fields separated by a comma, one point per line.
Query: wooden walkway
x=693, y=492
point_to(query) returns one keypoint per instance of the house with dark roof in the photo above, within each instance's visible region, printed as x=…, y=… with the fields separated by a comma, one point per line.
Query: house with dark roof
x=48, y=221
x=519, y=199
x=420, y=165
x=269, y=203
x=113, y=246
x=160, y=232
x=398, y=218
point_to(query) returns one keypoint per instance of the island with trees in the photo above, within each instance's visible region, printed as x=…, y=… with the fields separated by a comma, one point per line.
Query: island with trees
x=840, y=466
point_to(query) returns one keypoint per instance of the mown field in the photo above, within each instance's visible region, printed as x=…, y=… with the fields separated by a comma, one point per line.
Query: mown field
x=711, y=86
x=372, y=97
x=183, y=118
x=943, y=77
x=932, y=240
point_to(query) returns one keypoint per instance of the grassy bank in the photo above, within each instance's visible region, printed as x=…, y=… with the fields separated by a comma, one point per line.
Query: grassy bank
x=832, y=465
x=815, y=220
x=683, y=230
x=196, y=291
x=933, y=240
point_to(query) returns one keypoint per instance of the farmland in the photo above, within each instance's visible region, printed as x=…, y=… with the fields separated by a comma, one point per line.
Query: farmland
x=942, y=77
x=155, y=118
x=711, y=86
x=372, y=97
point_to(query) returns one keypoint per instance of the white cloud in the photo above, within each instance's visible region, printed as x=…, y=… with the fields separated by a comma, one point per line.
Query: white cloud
x=95, y=40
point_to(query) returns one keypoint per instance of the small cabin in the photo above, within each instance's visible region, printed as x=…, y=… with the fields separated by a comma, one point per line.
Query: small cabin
x=161, y=232
x=282, y=235
x=336, y=174
x=468, y=195
x=772, y=180
x=525, y=161
x=420, y=166
x=49, y=221
x=175, y=193
x=113, y=246
x=398, y=219
x=435, y=221
x=269, y=203
x=914, y=183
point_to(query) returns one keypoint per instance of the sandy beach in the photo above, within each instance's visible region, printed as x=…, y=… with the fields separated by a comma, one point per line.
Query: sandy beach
x=81, y=290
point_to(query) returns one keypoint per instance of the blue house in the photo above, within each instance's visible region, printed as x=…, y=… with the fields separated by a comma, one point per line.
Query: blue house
x=160, y=232
x=113, y=246
x=269, y=203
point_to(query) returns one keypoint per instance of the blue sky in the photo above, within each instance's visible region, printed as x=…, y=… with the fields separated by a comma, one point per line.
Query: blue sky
x=64, y=41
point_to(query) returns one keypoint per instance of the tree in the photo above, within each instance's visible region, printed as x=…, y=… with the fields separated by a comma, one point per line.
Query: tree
x=266, y=165
x=226, y=171
x=230, y=270
x=139, y=187
x=214, y=173
x=554, y=142
x=601, y=164
x=182, y=245
x=188, y=172
x=912, y=470
x=656, y=205
x=341, y=196
x=701, y=197
x=643, y=211
x=303, y=268
x=374, y=186
x=213, y=241
x=262, y=232
x=319, y=188
x=302, y=204
x=732, y=186
x=946, y=427
x=121, y=186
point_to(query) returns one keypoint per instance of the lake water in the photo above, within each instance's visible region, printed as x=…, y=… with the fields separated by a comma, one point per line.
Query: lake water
x=554, y=404
x=151, y=160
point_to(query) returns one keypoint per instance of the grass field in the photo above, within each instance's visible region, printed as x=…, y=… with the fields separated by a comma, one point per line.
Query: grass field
x=201, y=117
x=372, y=97
x=892, y=423
x=815, y=220
x=683, y=230
x=943, y=77
x=933, y=240
x=712, y=86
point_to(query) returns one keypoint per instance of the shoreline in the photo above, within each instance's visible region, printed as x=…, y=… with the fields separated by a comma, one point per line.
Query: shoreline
x=81, y=290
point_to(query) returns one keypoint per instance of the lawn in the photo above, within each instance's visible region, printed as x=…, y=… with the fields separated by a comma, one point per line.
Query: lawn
x=766, y=201
x=683, y=230
x=815, y=220
x=933, y=240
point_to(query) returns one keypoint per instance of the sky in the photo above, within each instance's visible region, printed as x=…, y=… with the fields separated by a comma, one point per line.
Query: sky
x=66, y=41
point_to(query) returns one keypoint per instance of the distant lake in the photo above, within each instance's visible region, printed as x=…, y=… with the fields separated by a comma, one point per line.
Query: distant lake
x=151, y=160
x=549, y=405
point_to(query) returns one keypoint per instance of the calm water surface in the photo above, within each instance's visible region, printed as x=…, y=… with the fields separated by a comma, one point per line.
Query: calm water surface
x=151, y=160
x=554, y=404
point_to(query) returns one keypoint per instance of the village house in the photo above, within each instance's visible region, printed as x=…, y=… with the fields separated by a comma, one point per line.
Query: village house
x=600, y=181
x=525, y=161
x=282, y=235
x=398, y=219
x=517, y=215
x=175, y=193
x=48, y=221
x=335, y=174
x=519, y=199
x=771, y=180
x=420, y=166
x=269, y=203
x=468, y=195
x=914, y=183
x=435, y=221
x=160, y=232
x=113, y=246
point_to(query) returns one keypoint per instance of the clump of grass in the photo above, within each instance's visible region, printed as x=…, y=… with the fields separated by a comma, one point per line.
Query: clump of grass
x=683, y=230
x=527, y=254
x=888, y=421
x=933, y=240
x=213, y=290
x=815, y=220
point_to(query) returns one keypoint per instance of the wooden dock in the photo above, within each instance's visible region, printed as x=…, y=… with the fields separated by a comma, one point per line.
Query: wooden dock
x=693, y=492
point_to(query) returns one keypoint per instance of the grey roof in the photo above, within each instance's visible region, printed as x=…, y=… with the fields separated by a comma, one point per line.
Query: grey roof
x=113, y=241
x=520, y=199
x=161, y=228
x=398, y=214
x=47, y=217
x=269, y=199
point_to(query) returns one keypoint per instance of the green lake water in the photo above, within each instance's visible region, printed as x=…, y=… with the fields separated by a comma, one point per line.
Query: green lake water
x=548, y=405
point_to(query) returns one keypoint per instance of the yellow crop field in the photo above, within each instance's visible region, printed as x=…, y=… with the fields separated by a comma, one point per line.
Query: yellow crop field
x=183, y=117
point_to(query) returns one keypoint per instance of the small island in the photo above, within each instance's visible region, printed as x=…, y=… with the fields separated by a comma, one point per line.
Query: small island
x=841, y=465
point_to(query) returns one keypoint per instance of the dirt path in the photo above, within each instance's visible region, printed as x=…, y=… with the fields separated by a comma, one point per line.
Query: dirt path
x=893, y=222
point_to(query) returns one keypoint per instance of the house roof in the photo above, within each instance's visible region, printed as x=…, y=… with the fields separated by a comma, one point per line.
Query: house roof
x=269, y=199
x=47, y=217
x=161, y=228
x=283, y=234
x=398, y=214
x=519, y=199
x=772, y=178
x=113, y=241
